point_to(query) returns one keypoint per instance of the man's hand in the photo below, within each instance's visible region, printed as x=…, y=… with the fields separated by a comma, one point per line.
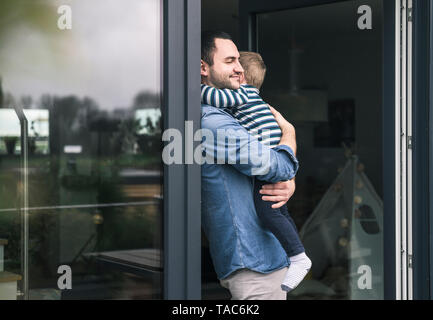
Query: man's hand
x=287, y=129
x=279, y=192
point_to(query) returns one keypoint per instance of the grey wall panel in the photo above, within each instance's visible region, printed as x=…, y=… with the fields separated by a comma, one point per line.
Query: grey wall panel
x=181, y=182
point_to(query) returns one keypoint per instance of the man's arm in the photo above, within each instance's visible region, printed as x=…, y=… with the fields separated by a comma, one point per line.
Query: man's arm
x=288, y=137
x=281, y=192
x=231, y=144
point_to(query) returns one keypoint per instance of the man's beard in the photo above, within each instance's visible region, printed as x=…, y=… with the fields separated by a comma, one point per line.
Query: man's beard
x=222, y=81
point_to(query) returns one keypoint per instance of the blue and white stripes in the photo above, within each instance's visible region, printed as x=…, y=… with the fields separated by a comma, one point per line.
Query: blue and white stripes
x=223, y=98
x=248, y=108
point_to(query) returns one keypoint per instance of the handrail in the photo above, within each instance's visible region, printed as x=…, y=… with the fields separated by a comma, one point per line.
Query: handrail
x=88, y=206
x=25, y=203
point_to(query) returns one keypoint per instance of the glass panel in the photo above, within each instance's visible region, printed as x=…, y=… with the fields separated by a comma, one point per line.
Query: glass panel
x=88, y=76
x=324, y=74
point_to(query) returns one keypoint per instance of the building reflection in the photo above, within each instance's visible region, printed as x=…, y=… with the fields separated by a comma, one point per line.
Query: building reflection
x=95, y=185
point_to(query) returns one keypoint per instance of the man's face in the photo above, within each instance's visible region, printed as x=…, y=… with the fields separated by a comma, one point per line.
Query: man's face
x=226, y=69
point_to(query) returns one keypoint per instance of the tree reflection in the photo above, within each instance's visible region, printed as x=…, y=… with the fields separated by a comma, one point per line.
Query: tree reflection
x=110, y=141
x=37, y=14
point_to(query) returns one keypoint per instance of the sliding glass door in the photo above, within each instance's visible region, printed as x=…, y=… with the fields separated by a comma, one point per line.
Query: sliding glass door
x=81, y=188
x=325, y=74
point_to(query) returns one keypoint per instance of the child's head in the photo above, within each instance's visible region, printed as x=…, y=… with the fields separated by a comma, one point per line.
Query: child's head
x=255, y=68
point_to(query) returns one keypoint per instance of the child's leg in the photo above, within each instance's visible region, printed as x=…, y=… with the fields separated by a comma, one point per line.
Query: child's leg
x=281, y=224
x=278, y=222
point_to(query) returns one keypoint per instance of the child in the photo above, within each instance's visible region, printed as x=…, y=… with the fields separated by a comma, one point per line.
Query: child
x=254, y=115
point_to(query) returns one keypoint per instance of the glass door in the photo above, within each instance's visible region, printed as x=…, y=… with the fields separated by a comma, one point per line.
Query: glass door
x=81, y=184
x=325, y=75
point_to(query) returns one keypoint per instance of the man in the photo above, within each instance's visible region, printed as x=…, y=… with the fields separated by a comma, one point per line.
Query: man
x=248, y=259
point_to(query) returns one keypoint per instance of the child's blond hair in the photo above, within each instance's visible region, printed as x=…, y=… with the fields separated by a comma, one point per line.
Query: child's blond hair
x=254, y=67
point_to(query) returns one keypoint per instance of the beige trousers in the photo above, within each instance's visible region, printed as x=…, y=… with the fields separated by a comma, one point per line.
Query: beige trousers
x=245, y=284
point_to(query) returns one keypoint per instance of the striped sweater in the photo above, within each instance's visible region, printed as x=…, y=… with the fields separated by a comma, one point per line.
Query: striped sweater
x=248, y=108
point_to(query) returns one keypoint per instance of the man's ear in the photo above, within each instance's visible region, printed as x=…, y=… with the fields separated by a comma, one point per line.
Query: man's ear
x=204, y=69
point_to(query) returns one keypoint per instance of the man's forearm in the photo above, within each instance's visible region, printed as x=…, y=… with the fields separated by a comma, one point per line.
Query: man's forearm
x=243, y=151
x=288, y=138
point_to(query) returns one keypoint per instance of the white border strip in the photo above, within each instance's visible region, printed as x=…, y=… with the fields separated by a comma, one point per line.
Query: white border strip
x=397, y=152
x=403, y=149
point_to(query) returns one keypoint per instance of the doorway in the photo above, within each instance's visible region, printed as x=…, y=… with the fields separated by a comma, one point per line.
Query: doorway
x=325, y=75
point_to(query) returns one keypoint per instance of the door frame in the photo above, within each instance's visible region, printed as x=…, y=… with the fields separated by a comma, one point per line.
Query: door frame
x=429, y=102
x=182, y=182
x=416, y=239
x=422, y=149
x=248, y=10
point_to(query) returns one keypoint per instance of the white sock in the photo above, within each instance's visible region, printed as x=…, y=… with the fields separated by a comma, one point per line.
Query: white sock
x=298, y=269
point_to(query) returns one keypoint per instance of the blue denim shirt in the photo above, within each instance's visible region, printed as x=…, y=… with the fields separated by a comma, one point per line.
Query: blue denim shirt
x=229, y=219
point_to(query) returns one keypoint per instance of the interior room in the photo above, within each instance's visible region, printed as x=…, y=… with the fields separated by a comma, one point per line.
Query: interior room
x=324, y=74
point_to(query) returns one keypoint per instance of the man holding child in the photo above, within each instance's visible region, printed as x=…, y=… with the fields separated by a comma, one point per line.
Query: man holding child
x=250, y=232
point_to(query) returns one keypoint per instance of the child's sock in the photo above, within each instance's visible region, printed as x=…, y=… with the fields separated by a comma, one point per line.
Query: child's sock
x=298, y=269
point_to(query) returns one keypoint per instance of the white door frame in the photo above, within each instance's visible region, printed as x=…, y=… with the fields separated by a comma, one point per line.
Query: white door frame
x=403, y=156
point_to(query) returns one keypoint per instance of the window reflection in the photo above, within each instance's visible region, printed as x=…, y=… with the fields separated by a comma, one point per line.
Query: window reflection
x=10, y=131
x=92, y=97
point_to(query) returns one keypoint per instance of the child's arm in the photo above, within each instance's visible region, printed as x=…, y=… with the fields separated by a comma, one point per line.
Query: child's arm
x=223, y=98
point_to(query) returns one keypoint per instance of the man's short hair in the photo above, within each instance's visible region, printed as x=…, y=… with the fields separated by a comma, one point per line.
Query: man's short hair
x=254, y=67
x=208, y=44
